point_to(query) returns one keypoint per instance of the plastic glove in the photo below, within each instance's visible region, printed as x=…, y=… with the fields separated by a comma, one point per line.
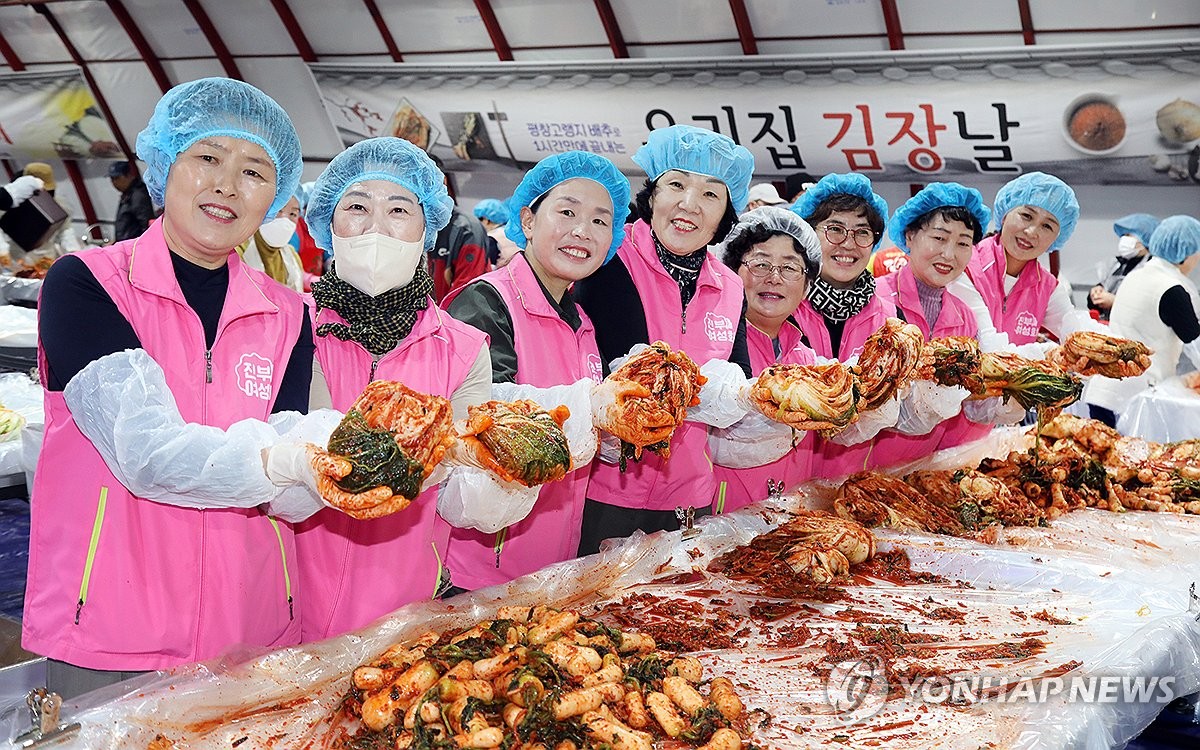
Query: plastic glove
x=1192, y=350
x=22, y=188
x=581, y=433
x=1035, y=349
x=122, y=404
x=477, y=499
x=869, y=423
x=635, y=349
x=994, y=341
x=994, y=410
x=755, y=440
x=720, y=405
x=927, y=405
x=610, y=449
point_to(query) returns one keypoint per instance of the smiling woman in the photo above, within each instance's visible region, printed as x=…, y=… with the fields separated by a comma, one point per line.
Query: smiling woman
x=164, y=357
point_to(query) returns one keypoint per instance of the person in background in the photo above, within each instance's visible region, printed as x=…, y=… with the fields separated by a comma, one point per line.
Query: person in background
x=378, y=207
x=460, y=253
x=269, y=249
x=1012, y=295
x=162, y=357
x=18, y=191
x=664, y=285
x=764, y=194
x=938, y=229
x=493, y=215
x=312, y=258
x=843, y=308
x=568, y=214
x=135, y=210
x=62, y=241
x=1133, y=233
x=1158, y=305
x=776, y=254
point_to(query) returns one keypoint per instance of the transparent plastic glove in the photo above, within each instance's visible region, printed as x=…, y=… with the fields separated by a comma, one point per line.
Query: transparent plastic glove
x=581, y=433
x=121, y=402
x=22, y=188
x=994, y=341
x=289, y=466
x=994, y=411
x=869, y=423
x=754, y=440
x=610, y=449
x=477, y=499
x=927, y=405
x=719, y=405
x=1035, y=349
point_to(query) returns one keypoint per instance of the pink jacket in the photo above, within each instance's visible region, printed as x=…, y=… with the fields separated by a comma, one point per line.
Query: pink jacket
x=686, y=477
x=740, y=487
x=548, y=353
x=956, y=319
x=117, y=582
x=1020, y=312
x=357, y=571
x=830, y=459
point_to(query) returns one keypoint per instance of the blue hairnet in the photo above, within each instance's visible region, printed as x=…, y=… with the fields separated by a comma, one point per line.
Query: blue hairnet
x=1044, y=191
x=303, y=193
x=1176, y=238
x=567, y=166
x=936, y=195
x=691, y=149
x=219, y=107
x=493, y=210
x=1139, y=225
x=392, y=159
x=841, y=184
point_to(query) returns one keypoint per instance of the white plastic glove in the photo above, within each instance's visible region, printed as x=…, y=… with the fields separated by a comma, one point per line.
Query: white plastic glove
x=477, y=499
x=869, y=423
x=720, y=405
x=927, y=405
x=581, y=433
x=22, y=188
x=1035, y=349
x=754, y=440
x=994, y=341
x=994, y=411
x=122, y=404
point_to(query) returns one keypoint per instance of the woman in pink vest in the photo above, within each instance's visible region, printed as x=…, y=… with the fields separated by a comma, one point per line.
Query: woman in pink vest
x=1011, y=294
x=776, y=254
x=569, y=214
x=664, y=285
x=937, y=228
x=843, y=308
x=162, y=357
x=378, y=206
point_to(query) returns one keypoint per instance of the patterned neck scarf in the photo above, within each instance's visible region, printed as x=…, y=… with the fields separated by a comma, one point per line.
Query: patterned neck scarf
x=378, y=323
x=684, y=269
x=839, y=305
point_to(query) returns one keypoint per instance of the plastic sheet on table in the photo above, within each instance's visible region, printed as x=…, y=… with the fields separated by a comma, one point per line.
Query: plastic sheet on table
x=20, y=393
x=18, y=289
x=1164, y=413
x=18, y=326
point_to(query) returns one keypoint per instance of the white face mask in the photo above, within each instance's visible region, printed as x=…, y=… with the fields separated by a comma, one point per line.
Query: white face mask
x=376, y=263
x=1127, y=246
x=277, y=232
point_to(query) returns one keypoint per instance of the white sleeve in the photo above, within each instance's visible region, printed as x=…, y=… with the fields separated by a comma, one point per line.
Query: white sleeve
x=122, y=404
x=990, y=339
x=1063, y=318
x=477, y=387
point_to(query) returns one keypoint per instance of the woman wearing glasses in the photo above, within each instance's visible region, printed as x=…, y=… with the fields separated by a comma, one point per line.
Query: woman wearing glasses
x=842, y=308
x=776, y=254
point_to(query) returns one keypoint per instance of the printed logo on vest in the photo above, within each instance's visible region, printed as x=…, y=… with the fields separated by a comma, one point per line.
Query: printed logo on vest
x=718, y=327
x=595, y=367
x=254, y=375
x=1027, y=324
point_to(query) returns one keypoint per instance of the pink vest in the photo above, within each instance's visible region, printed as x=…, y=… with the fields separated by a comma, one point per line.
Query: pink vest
x=356, y=571
x=955, y=319
x=117, y=582
x=830, y=459
x=740, y=487
x=686, y=478
x=548, y=353
x=1019, y=313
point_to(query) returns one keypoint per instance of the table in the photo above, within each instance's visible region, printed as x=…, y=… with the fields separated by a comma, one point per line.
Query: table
x=1165, y=413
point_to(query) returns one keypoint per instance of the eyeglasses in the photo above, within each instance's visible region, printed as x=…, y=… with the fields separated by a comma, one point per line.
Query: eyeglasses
x=836, y=233
x=761, y=269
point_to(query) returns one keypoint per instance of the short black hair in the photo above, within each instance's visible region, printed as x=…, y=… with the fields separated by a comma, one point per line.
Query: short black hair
x=949, y=213
x=642, y=203
x=736, y=250
x=850, y=203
